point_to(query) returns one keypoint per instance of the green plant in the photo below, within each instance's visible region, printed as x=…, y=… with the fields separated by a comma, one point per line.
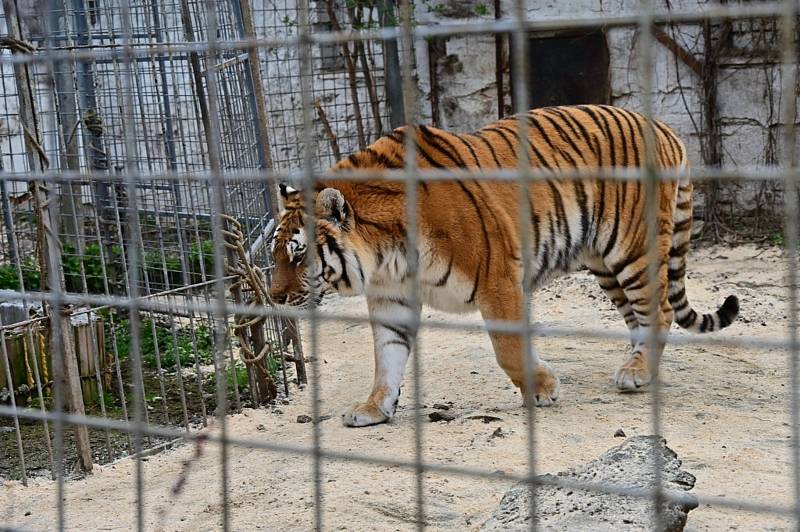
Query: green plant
x=237, y=376
x=481, y=10
x=289, y=23
x=777, y=239
x=92, y=261
x=153, y=334
x=31, y=276
x=274, y=364
x=202, y=252
x=8, y=277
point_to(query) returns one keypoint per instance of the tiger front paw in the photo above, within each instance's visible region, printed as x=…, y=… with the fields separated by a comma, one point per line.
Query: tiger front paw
x=363, y=415
x=546, y=386
x=633, y=374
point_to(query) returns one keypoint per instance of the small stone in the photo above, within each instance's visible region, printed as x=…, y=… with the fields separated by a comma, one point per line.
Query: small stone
x=498, y=433
x=441, y=406
x=277, y=411
x=441, y=416
x=302, y=418
x=27, y=513
x=261, y=427
x=285, y=402
x=619, y=433
x=473, y=372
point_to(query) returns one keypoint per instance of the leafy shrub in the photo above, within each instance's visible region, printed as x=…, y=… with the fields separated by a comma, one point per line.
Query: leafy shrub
x=167, y=348
x=31, y=277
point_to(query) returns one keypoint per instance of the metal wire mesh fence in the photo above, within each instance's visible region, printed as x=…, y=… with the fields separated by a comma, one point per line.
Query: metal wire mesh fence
x=143, y=136
x=71, y=116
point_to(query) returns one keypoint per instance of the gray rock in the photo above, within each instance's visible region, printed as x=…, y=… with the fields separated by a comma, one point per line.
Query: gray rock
x=626, y=466
x=440, y=415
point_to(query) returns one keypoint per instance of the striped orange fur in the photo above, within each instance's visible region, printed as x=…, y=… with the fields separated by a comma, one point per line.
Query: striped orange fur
x=469, y=238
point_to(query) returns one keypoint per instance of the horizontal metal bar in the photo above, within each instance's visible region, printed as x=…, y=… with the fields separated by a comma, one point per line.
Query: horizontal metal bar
x=302, y=450
x=743, y=173
x=421, y=32
x=162, y=293
x=510, y=327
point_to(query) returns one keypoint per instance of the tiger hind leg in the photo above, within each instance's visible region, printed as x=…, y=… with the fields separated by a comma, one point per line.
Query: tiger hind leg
x=615, y=293
x=505, y=304
x=640, y=368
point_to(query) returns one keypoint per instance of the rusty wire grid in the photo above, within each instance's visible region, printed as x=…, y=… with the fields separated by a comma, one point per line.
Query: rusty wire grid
x=156, y=137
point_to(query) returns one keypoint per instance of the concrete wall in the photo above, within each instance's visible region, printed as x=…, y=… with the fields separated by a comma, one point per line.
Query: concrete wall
x=749, y=87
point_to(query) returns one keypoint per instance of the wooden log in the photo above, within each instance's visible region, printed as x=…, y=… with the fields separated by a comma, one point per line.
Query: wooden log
x=71, y=384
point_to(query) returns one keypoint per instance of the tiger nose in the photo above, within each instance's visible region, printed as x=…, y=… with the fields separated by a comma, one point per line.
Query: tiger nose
x=279, y=298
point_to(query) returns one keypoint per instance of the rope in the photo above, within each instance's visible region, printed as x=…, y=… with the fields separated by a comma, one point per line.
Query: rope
x=250, y=279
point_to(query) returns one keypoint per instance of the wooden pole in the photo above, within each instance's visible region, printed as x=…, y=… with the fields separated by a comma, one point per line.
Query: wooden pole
x=46, y=199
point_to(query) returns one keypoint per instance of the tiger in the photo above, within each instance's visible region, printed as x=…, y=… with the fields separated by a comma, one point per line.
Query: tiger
x=469, y=254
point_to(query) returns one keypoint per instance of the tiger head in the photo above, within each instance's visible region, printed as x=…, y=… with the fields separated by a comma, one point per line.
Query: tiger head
x=335, y=266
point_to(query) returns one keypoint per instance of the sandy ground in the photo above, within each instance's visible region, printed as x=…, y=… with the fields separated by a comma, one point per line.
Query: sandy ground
x=726, y=414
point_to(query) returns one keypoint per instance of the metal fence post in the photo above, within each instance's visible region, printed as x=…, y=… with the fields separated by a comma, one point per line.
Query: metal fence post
x=394, y=85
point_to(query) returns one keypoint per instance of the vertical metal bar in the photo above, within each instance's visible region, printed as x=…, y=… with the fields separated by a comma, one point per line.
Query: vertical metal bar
x=168, y=129
x=112, y=324
x=81, y=248
x=217, y=208
x=134, y=233
x=201, y=263
x=309, y=180
x=132, y=288
x=13, y=245
x=651, y=179
x=244, y=14
x=520, y=101
x=185, y=251
x=789, y=27
x=391, y=66
x=194, y=62
x=12, y=393
x=407, y=46
x=8, y=221
x=64, y=111
x=92, y=121
x=499, y=41
x=63, y=85
x=55, y=281
x=170, y=152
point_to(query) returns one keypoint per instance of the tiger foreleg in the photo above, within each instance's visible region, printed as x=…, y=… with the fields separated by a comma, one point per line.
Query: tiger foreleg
x=392, y=334
x=536, y=380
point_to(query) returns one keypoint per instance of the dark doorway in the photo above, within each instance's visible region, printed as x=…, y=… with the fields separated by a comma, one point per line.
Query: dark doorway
x=568, y=69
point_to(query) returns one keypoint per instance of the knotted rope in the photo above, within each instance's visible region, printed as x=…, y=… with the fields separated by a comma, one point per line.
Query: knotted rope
x=250, y=279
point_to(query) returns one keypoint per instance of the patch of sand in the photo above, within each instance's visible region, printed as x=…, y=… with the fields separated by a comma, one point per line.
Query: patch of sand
x=725, y=412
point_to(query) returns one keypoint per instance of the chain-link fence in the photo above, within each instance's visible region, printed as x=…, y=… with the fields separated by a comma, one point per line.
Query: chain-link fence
x=208, y=142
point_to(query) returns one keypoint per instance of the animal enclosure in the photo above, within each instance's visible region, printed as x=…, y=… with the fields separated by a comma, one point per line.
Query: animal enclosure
x=141, y=144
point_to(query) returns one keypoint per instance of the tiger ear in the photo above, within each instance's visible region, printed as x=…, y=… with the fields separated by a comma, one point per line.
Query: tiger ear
x=332, y=206
x=286, y=192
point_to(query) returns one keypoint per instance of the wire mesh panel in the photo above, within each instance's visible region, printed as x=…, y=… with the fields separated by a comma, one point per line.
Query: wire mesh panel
x=77, y=122
x=141, y=143
x=347, y=83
